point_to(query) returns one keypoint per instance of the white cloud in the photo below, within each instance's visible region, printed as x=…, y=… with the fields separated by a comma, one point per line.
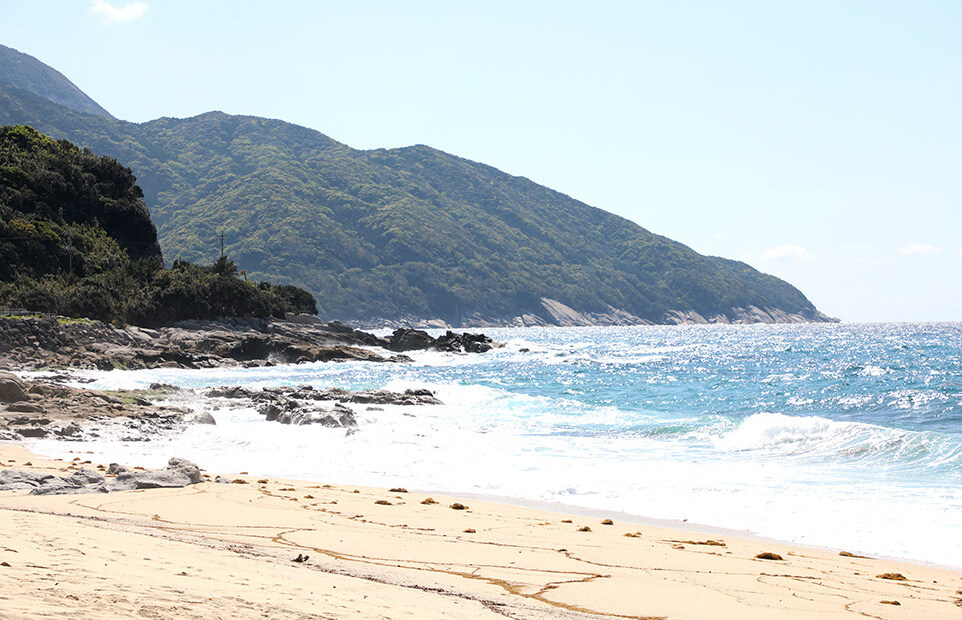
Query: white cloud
x=914, y=249
x=111, y=14
x=868, y=260
x=789, y=254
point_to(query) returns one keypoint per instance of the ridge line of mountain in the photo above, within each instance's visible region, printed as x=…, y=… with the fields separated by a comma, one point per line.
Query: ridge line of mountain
x=412, y=234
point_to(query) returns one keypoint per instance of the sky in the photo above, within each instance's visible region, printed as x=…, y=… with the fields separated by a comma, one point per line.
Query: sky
x=820, y=142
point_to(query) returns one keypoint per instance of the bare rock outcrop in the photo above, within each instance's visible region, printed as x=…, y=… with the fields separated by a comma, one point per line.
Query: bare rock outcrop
x=57, y=411
x=326, y=406
x=31, y=341
x=404, y=339
x=12, y=388
x=178, y=473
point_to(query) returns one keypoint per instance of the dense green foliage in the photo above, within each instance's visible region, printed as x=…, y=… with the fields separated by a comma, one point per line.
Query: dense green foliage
x=28, y=73
x=76, y=239
x=389, y=233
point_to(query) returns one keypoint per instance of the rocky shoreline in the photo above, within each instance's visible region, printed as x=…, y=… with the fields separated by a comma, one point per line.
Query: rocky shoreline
x=32, y=341
x=45, y=408
x=48, y=409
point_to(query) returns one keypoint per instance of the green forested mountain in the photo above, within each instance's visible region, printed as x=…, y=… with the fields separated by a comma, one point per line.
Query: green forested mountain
x=30, y=74
x=388, y=234
x=76, y=239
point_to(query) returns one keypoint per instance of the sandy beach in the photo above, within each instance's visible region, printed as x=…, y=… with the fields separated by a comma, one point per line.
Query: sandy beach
x=226, y=551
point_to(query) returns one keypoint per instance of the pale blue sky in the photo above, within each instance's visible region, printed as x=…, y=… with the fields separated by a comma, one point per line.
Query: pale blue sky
x=818, y=141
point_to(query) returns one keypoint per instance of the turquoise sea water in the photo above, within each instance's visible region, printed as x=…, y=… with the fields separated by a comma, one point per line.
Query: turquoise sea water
x=845, y=436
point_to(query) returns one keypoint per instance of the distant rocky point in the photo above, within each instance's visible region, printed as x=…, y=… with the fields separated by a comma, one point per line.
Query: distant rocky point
x=554, y=313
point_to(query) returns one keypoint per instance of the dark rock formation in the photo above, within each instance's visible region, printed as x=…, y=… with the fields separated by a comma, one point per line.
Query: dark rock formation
x=415, y=339
x=468, y=343
x=410, y=340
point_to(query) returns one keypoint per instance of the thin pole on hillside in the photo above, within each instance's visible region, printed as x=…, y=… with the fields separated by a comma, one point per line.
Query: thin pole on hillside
x=222, y=245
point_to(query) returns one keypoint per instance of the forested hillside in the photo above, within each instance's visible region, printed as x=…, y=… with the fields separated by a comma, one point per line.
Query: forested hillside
x=388, y=234
x=76, y=239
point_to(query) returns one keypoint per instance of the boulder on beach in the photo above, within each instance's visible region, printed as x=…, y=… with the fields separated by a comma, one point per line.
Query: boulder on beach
x=178, y=473
x=12, y=388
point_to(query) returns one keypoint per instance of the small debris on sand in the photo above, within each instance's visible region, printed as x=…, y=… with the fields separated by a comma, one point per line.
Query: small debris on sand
x=383, y=502
x=458, y=506
x=846, y=554
x=892, y=576
x=607, y=522
x=584, y=529
x=428, y=502
x=398, y=490
x=470, y=530
x=301, y=558
x=769, y=556
x=890, y=603
x=710, y=543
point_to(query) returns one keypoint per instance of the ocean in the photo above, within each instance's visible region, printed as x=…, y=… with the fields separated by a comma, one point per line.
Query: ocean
x=840, y=436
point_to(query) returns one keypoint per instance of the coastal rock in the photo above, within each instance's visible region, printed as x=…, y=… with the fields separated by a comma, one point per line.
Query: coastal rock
x=39, y=483
x=35, y=342
x=287, y=410
x=179, y=473
x=418, y=340
x=308, y=405
x=468, y=343
x=551, y=312
x=24, y=408
x=745, y=316
x=12, y=389
x=410, y=340
x=202, y=417
x=337, y=416
x=75, y=414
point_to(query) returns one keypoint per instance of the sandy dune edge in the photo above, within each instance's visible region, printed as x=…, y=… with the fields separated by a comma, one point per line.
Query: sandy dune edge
x=226, y=550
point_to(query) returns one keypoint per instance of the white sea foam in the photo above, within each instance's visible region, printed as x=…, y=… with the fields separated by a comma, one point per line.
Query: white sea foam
x=771, y=431
x=676, y=424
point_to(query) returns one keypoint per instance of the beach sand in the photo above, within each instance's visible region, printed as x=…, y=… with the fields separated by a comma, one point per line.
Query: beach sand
x=226, y=550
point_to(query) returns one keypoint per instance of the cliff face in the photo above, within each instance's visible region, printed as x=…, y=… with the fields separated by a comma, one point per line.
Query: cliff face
x=411, y=234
